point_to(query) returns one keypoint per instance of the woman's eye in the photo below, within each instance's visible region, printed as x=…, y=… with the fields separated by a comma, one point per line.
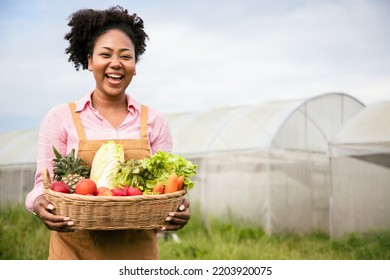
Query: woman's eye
x=126, y=57
x=106, y=55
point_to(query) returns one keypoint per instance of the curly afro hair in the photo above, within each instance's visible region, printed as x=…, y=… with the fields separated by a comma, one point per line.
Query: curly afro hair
x=88, y=24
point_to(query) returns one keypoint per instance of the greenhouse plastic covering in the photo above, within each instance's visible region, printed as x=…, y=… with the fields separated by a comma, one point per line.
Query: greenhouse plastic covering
x=361, y=172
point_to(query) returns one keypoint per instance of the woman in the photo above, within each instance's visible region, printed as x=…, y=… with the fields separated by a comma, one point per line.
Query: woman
x=108, y=43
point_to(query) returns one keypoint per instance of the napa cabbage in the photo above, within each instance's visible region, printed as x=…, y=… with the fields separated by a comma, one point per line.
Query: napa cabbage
x=106, y=164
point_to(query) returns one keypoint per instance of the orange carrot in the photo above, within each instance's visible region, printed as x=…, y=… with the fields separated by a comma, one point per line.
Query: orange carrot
x=158, y=188
x=171, y=185
x=180, y=182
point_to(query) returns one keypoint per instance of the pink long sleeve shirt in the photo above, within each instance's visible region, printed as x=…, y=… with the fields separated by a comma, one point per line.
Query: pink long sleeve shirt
x=57, y=129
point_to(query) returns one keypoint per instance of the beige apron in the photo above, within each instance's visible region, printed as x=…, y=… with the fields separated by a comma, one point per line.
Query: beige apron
x=109, y=244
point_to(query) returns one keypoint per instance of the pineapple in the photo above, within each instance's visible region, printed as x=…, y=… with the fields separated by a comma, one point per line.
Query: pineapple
x=69, y=169
x=71, y=180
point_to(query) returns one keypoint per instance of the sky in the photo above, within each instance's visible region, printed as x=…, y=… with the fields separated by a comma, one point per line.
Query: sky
x=202, y=54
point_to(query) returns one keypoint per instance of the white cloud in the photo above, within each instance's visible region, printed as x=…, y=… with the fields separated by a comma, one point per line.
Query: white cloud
x=202, y=56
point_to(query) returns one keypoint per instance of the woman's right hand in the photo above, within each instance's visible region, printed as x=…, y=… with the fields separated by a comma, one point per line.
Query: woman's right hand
x=43, y=210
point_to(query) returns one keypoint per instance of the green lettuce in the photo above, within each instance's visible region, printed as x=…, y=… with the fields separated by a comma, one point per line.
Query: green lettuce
x=160, y=165
x=144, y=174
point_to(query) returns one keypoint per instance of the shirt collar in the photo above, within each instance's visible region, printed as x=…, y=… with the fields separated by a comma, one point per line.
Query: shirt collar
x=86, y=100
x=133, y=105
x=83, y=102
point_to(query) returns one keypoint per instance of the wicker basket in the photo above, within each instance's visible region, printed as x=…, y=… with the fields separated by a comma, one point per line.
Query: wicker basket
x=112, y=212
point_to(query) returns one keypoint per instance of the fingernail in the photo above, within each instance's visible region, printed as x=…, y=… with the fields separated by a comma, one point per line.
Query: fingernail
x=182, y=207
x=163, y=228
x=171, y=214
x=168, y=219
x=50, y=207
x=70, y=223
x=66, y=219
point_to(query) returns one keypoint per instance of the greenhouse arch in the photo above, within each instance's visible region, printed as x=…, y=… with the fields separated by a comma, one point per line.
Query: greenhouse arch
x=267, y=163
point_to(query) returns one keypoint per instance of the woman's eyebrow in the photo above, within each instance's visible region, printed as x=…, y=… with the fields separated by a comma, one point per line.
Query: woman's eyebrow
x=122, y=50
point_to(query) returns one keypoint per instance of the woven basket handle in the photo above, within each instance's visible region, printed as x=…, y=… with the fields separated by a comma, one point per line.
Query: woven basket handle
x=46, y=178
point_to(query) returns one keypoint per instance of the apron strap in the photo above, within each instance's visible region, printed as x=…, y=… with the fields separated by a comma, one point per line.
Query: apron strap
x=80, y=129
x=144, y=123
x=77, y=121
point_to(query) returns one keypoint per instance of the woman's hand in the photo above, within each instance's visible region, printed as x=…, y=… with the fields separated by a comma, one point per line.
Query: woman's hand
x=42, y=209
x=177, y=220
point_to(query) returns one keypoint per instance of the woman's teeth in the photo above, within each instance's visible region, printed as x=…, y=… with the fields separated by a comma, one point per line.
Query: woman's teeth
x=113, y=76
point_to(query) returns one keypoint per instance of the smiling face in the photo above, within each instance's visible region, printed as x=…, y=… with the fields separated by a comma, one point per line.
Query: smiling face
x=112, y=63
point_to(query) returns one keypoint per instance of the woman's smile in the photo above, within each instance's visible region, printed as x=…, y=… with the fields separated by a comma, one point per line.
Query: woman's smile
x=114, y=79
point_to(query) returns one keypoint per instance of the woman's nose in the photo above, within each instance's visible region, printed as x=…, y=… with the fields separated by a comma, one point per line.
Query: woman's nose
x=115, y=62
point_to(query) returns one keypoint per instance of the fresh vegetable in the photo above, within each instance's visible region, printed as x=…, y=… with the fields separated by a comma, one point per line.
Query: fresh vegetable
x=158, y=188
x=180, y=182
x=119, y=191
x=101, y=190
x=131, y=173
x=86, y=187
x=106, y=192
x=106, y=164
x=146, y=173
x=162, y=172
x=172, y=184
x=161, y=165
x=134, y=191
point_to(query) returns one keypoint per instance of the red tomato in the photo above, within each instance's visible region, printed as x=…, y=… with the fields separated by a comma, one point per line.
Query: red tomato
x=86, y=186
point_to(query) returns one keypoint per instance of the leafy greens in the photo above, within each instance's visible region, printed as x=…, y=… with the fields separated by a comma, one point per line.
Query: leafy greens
x=144, y=174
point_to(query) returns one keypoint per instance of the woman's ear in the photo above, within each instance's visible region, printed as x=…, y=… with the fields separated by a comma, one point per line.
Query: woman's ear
x=90, y=63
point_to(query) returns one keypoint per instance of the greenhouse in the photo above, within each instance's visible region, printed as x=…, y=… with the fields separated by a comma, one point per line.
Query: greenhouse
x=360, y=157
x=18, y=153
x=264, y=164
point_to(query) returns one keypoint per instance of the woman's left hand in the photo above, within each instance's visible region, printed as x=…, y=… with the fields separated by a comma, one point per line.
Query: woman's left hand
x=177, y=220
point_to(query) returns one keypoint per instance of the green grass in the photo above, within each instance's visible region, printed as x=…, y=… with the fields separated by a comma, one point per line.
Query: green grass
x=228, y=242
x=23, y=236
